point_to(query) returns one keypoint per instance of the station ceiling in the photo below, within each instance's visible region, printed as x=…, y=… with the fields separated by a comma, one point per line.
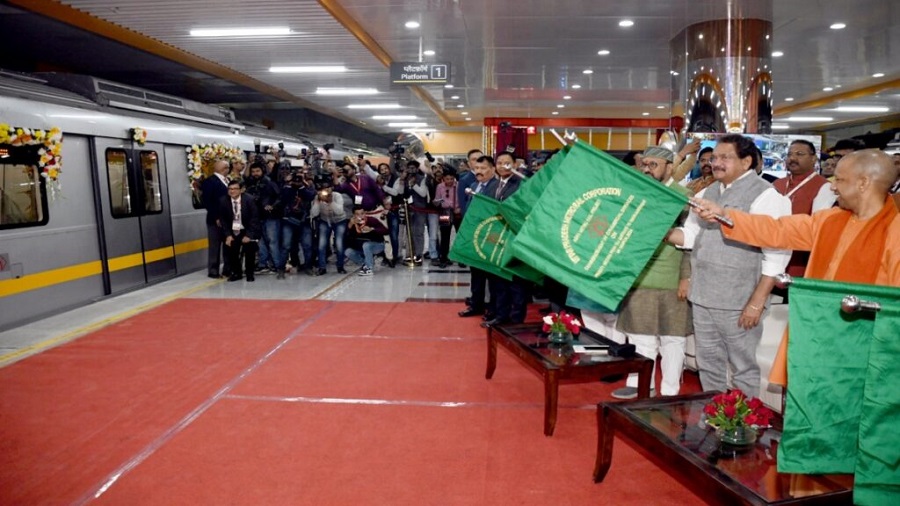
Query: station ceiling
x=508, y=58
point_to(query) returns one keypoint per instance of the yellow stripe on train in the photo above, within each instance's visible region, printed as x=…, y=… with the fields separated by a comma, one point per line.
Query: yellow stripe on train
x=53, y=277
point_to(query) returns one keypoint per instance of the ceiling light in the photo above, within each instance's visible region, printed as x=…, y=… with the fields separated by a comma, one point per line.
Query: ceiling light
x=827, y=88
x=576, y=86
x=418, y=130
x=777, y=54
x=645, y=114
x=603, y=52
x=396, y=116
x=346, y=91
x=789, y=99
x=308, y=69
x=428, y=52
x=809, y=119
x=560, y=106
x=862, y=108
x=700, y=36
x=625, y=23
x=567, y=97
x=240, y=32
x=587, y=71
x=464, y=113
x=555, y=113
x=407, y=125
x=660, y=107
x=780, y=126
x=374, y=106
x=412, y=24
x=838, y=26
x=460, y=106
x=674, y=73
x=878, y=74
x=468, y=119
x=448, y=86
x=454, y=97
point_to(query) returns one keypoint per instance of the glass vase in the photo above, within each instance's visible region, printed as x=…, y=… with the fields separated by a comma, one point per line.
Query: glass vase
x=738, y=436
x=560, y=337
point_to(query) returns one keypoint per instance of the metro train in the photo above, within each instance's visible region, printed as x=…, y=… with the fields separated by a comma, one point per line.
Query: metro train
x=126, y=214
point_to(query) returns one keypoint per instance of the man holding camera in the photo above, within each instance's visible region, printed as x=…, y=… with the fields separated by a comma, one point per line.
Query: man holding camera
x=268, y=203
x=365, y=239
x=297, y=194
x=328, y=207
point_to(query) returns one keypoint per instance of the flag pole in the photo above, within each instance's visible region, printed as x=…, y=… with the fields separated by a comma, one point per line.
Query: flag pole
x=560, y=138
x=853, y=304
x=724, y=220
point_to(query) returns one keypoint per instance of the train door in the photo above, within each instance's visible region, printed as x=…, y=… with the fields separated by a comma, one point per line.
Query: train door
x=137, y=225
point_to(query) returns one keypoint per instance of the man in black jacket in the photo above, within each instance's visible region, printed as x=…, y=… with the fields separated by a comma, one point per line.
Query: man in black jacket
x=239, y=219
x=267, y=196
x=212, y=190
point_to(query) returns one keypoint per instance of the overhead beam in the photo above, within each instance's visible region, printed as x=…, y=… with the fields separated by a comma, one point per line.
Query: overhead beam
x=849, y=94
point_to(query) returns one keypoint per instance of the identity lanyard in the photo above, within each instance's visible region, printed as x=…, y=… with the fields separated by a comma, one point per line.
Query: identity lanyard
x=792, y=192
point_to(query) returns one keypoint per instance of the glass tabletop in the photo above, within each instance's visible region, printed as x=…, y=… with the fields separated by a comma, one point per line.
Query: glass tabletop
x=529, y=335
x=681, y=422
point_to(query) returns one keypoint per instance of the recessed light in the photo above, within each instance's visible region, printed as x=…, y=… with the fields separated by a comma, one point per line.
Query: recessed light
x=809, y=119
x=412, y=24
x=448, y=86
x=862, y=108
x=838, y=26
x=827, y=88
x=700, y=36
x=674, y=73
x=428, y=52
x=789, y=99
x=567, y=97
x=308, y=69
x=555, y=113
x=780, y=126
x=587, y=71
x=777, y=54
x=346, y=91
x=464, y=113
x=454, y=97
x=468, y=119
x=645, y=114
x=576, y=86
x=407, y=125
x=660, y=107
x=460, y=106
x=625, y=23
x=878, y=74
x=240, y=32
x=560, y=106
x=603, y=52
x=374, y=106
x=396, y=116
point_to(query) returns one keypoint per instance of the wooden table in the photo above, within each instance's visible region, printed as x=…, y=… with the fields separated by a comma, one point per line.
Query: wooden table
x=560, y=362
x=671, y=429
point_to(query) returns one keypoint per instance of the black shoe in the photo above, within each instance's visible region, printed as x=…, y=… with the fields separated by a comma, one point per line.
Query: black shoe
x=417, y=260
x=214, y=275
x=493, y=322
x=468, y=301
x=470, y=311
x=280, y=275
x=320, y=272
x=341, y=271
x=250, y=279
x=235, y=277
x=488, y=315
x=392, y=263
x=427, y=256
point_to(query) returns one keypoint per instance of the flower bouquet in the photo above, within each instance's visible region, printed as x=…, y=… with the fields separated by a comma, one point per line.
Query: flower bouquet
x=736, y=418
x=139, y=135
x=561, y=326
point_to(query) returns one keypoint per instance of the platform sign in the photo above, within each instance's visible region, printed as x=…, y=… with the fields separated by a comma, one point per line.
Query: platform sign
x=420, y=73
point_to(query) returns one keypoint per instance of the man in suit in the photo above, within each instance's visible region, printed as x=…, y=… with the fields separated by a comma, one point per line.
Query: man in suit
x=239, y=217
x=510, y=297
x=485, y=184
x=212, y=190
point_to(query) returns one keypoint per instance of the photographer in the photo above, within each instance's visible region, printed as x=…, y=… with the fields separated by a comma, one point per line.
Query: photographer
x=328, y=207
x=446, y=198
x=393, y=187
x=365, y=239
x=267, y=198
x=297, y=195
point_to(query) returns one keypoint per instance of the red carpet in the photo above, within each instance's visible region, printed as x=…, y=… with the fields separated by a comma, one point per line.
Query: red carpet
x=195, y=403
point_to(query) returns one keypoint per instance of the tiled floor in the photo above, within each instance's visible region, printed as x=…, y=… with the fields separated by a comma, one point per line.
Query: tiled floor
x=421, y=284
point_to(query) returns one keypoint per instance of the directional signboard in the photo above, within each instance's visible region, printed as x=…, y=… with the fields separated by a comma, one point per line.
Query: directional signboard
x=420, y=73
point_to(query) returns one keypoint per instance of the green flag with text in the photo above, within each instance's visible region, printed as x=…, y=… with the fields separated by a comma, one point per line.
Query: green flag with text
x=843, y=407
x=516, y=207
x=597, y=224
x=483, y=242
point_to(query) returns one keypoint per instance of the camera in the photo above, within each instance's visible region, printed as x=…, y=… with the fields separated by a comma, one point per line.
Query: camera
x=303, y=152
x=396, y=149
x=281, y=146
x=328, y=147
x=429, y=157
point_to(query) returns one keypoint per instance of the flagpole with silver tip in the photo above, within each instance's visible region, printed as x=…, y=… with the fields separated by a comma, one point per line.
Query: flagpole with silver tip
x=724, y=220
x=853, y=304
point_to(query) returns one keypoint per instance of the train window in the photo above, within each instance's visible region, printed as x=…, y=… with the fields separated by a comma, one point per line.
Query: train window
x=119, y=187
x=23, y=194
x=150, y=172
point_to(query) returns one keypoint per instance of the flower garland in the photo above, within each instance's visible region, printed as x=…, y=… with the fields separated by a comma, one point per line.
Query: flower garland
x=50, y=153
x=139, y=135
x=201, y=156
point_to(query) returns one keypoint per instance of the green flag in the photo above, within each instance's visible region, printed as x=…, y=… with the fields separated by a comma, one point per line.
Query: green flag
x=483, y=239
x=516, y=207
x=843, y=406
x=597, y=224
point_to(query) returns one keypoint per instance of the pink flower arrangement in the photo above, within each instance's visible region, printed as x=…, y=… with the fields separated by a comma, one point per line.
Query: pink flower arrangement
x=733, y=409
x=562, y=322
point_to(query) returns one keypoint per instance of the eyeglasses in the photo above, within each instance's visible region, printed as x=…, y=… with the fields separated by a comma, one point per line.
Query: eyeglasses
x=798, y=154
x=652, y=165
x=722, y=158
x=506, y=166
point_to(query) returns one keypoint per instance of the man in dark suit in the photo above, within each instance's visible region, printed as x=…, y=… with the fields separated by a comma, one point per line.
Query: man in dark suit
x=510, y=297
x=241, y=228
x=485, y=184
x=212, y=190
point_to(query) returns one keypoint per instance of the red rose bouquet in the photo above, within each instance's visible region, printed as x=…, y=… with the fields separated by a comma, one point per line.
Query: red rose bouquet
x=562, y=322
x=733, y=409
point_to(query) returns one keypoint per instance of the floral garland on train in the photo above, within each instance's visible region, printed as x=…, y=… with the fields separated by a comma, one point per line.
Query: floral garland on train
x=201, y=157
x=50, y=154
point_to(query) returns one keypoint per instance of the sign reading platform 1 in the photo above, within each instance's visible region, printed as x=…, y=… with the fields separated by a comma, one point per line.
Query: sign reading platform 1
x=420, y=73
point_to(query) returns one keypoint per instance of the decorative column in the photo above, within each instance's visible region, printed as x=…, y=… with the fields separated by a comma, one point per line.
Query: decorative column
x=722, y=69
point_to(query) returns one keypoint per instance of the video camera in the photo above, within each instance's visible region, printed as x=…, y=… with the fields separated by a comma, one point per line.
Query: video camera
x=328, y=147
x=396, y=150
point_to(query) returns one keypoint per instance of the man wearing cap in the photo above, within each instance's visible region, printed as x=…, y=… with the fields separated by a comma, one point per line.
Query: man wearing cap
x=731, y=282
x=655, y=314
